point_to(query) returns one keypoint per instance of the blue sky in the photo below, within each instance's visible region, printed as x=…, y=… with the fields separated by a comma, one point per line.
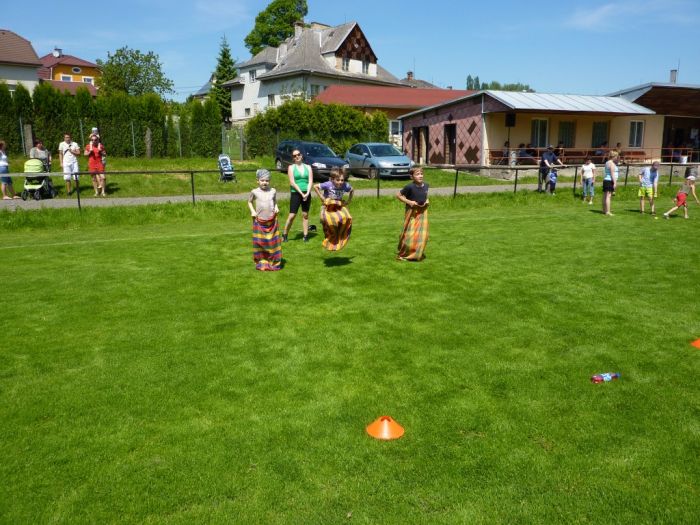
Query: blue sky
x=592, y=47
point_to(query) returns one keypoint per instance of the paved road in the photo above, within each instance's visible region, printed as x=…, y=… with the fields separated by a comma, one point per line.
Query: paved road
x=92, y=202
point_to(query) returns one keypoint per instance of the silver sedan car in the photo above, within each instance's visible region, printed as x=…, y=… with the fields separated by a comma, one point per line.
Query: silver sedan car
x=372, y=159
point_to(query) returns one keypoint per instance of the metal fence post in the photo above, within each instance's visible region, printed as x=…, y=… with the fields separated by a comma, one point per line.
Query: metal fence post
x=192, y=184
x=670, y=177
x=378, y=179
x=627, y=172
x=77, y=189
x=515, y=185
x=454, y=193
x=575, y=175
x=133, y=138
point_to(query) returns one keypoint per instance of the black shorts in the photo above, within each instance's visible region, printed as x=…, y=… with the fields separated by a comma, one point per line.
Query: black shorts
x=608, y=186
x=295, y=201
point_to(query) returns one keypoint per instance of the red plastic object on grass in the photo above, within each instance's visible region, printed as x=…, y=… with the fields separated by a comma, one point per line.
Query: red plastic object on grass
x=385, y=428
x=696, y=343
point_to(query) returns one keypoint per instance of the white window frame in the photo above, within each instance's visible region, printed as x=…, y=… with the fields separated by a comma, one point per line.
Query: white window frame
x=636, y=138
x=271, y=101
x=76, y=70
x=89, y=80
x=365, y=67
x=392, y=124
x=315, y=90
x=246, y=112
x=345, y=64
x=253, y=75
x=66, y=78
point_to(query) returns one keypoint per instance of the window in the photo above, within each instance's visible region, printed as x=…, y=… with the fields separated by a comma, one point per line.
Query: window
x=538, y=135
x=567, y=134
x=88, y=80
x=76, y=70
x=600, y=134
x=395, y=127
x=247, y=112
x=346, y=64
x=253, y=75
x=315, y=89
x=271, y=100
x=66, y=78
x=636, y=134
x=365, y=67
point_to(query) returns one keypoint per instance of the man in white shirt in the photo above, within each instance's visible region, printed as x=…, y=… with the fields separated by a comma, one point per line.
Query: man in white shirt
x=69, y=151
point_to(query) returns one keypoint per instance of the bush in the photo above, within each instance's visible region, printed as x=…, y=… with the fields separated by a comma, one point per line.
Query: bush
x=337, y=125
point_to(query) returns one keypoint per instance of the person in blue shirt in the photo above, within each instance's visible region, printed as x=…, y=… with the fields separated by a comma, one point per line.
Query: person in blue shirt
x=649, y=186
x=548, y=161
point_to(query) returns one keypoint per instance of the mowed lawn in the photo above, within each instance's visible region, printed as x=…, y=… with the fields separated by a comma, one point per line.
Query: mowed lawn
x=148, y=374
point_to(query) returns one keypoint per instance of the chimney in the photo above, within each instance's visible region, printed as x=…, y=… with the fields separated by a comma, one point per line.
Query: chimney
x=298, y=28
x=57, y=52
x=409, y=75
x=282, y=50
x=674, y=76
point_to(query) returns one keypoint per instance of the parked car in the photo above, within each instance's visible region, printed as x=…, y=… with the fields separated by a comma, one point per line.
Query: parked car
x=373, y=159
x=320, y=157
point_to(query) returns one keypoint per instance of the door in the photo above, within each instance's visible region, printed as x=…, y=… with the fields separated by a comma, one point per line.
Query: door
x=450, y=143
x=420, y=145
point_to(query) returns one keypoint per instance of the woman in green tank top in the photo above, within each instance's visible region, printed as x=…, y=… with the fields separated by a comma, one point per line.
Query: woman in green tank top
x=301, y=178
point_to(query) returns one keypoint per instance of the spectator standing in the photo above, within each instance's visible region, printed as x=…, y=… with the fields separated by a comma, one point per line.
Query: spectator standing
x=69, y=152
x=95, y=152
x=649, y=186
x=612, y=172
x=588, y=180
x=40, y=152
x=8, y=192
x=547, y=163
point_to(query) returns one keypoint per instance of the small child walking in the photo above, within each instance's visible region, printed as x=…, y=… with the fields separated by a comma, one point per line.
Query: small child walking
x=682, y=197
x=335, y=217
x=588, y=180
x=414, y=236
x=267, y=245
x=551, y=181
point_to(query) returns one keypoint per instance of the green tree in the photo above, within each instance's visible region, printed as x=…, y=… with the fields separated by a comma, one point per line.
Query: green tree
x=48, y=112
x=225, y=70
x=470, y=82
x=24, y=107
x=9, y=124
x=134, y=73
x=274, y=24
x=473, y=83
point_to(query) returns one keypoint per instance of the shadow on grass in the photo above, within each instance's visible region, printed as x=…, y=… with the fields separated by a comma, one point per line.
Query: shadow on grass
x=337, y=261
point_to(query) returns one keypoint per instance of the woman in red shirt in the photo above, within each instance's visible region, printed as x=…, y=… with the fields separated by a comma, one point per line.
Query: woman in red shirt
x=95, y=152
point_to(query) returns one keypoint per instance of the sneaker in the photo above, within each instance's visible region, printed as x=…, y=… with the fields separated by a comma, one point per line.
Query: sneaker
x=284, y=237
x=306, y=238
x=665, y=216
x=590, y=202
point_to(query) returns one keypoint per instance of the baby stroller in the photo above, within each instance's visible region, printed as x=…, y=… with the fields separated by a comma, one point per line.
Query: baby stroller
x=226, y=173
x=36, y=184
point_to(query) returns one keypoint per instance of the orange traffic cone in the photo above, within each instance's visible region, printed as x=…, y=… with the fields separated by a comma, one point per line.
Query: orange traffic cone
x=385, y=428
x=696, y=343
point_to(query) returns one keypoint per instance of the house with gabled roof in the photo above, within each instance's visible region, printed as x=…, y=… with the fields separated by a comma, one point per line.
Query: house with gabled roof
x=68, y=72
x=18, y=61
x=314, y=58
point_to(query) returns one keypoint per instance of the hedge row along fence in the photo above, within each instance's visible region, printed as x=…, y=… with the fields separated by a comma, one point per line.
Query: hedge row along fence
x=127, y=124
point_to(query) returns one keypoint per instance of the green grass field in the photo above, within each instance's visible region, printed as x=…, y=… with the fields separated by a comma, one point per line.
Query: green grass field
x=148, y=185
x=148, y=374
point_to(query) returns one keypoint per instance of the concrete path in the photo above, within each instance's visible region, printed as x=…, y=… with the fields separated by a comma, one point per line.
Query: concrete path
x=92, y=202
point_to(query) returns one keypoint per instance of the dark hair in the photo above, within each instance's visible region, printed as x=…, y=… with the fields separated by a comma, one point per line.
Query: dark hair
x=588, y=157
x=37, y=142
x=2, y=144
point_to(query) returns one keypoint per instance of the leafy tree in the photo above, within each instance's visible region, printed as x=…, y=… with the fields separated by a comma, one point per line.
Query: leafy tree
x=477, y=84
x=274, y=24
x=24, y=107
x=470, y=82
x=48, y=115
x=134, y=73
x=225, y=70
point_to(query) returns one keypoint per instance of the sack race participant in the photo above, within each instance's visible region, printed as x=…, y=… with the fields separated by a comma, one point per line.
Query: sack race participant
x=335, y=217
x=267, y=245
x=414, y=236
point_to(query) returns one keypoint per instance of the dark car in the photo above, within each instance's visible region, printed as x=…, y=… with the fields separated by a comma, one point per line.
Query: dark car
x=320, y=157
x=378, y=158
